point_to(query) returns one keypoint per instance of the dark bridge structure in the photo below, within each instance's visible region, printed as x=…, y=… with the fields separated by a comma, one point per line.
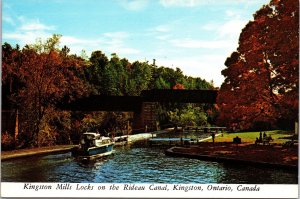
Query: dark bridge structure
x=143, y=106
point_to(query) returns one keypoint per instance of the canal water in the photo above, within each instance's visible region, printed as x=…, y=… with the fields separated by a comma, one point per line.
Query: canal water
x=138, y=164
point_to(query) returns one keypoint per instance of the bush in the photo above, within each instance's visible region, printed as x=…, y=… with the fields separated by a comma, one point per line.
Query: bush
x=7, y=141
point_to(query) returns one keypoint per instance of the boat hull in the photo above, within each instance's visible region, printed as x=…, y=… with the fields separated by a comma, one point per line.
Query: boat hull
x=93, y=153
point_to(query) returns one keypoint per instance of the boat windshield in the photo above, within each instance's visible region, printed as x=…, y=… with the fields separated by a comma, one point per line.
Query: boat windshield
x=106, y=141
x=89, y=136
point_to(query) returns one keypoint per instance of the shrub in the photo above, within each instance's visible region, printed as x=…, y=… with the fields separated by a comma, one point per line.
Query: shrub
x=7, y=141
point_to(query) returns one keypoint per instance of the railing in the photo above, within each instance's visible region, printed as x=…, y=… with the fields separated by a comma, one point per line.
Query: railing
x=204, y=128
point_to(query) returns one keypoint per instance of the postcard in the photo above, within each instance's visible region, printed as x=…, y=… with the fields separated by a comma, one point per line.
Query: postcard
x=150, y=99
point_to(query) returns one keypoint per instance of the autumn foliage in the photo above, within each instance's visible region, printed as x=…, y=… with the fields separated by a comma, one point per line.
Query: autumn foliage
x=35, y=79
x=178, y=86
x=38, y=78
x=261, y=79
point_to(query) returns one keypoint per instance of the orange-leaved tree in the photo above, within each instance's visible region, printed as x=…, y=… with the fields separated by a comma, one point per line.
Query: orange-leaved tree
x=178, y=86
x=261, y=78
x=45, y=75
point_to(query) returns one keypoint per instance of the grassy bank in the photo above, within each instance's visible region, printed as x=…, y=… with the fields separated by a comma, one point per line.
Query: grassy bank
x=224, y=150
x=279, y=136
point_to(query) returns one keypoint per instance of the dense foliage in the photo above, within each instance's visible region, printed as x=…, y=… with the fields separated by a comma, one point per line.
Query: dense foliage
x=189, y=116
x=260, y=88
x=34, y=79
x=261, y=79
x=37, y=77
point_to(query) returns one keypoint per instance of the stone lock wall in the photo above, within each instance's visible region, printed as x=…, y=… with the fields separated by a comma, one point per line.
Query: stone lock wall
x=145, y=119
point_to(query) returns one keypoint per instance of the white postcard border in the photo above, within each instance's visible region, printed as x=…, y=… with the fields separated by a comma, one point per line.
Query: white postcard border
x=135, y=190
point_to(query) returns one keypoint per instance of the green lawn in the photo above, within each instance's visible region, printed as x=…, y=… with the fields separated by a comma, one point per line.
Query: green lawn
x=251, y=136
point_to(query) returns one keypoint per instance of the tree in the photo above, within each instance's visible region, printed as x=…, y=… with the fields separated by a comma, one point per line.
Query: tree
x=178, y=86
x=139, y=78
x=51, y=44
x=160, y=83
x=45, y=76
x=114, y=77
x=11, y=59
x=261, y=78
x=188, y=116
x=94, y=72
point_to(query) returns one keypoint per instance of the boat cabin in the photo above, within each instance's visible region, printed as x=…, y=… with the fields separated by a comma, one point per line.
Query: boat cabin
x=90, y=139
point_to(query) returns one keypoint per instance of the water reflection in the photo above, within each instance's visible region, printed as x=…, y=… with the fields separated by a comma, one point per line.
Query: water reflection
x=254, y=175
x=138, y=165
